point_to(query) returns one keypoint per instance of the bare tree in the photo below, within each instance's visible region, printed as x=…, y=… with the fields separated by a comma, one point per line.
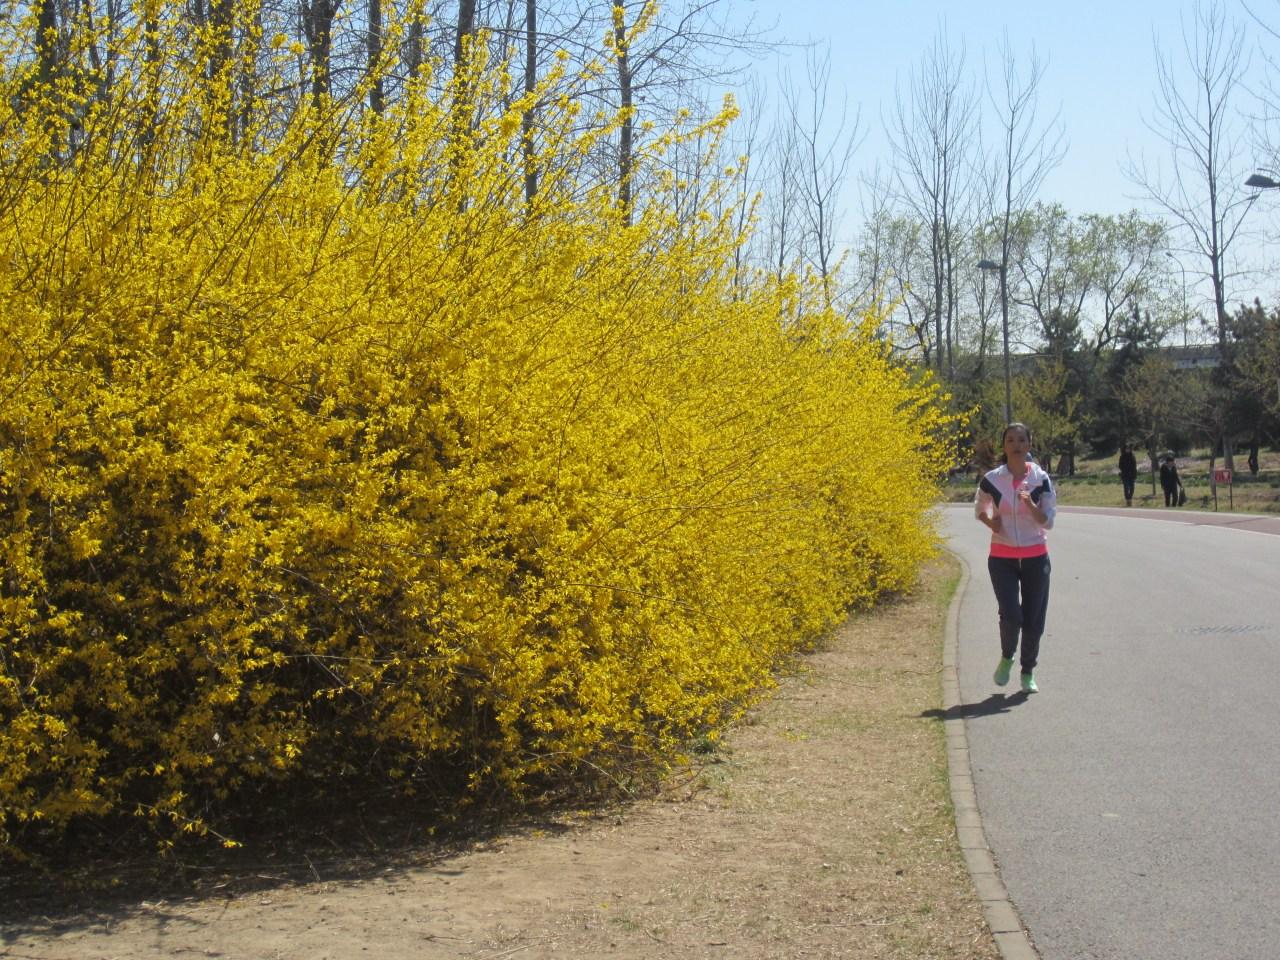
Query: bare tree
x=1203, y=193
x=934, y=136
x=872, y=251
x=668, y=57
x=1266, y=126
x=744, y=137
x=824, y=146
x=1027, y=151
x=781, y=192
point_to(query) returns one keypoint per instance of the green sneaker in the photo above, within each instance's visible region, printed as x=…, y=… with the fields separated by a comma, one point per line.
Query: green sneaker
x=1002, y=671
x=1029, y=683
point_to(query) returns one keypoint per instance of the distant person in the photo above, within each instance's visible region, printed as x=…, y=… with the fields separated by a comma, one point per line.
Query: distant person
x=1128, y=473
x=1169, y=481
x=1017, y=502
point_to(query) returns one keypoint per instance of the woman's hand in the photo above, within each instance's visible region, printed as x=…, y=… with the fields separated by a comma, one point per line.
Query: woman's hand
x=1024, y=496
x=991, y=520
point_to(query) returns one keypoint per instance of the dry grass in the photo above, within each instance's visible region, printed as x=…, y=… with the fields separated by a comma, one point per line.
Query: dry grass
x=825, y=829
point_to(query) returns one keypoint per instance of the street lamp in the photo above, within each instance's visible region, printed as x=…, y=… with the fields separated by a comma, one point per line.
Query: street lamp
x=989, y=266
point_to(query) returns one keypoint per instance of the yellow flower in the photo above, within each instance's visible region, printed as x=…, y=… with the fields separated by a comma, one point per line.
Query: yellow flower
x=346, y=453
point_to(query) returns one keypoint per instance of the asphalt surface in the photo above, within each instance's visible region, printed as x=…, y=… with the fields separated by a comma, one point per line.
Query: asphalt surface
x=1133, y=805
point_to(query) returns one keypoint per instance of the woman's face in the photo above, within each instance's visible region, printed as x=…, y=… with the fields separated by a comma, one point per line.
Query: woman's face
x=1016, y=443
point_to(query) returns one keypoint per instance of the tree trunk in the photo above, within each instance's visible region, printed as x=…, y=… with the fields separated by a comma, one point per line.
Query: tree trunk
x=461, y=119
x=939, y=345
x=220, y=14
x=377, y=92
x=221, y=88
x=530, y=84
x=466, y=27
x=249, y=79
x=317, y=20
x=151, y=30
x=627, y=130
x=49, y=66
x=413, y=49
x=47, y=42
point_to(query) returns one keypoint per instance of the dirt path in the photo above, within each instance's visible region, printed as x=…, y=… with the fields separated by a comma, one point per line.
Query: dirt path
x=822, y=828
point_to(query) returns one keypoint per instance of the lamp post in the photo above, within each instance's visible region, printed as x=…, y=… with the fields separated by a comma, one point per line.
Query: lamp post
x=1000, y=268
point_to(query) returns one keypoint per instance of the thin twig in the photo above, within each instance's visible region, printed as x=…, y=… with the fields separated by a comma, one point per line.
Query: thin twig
x=507, y=953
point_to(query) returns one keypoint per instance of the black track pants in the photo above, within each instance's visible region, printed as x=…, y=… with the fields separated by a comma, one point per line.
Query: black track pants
x=1022, y=593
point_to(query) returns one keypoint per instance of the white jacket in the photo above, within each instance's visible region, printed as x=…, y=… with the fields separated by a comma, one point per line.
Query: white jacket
x=1021, y=535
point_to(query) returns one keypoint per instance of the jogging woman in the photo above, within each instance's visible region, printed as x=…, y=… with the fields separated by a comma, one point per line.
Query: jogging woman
x=1016, y=501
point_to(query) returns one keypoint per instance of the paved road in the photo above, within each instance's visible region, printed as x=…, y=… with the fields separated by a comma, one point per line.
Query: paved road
x=1133, y=805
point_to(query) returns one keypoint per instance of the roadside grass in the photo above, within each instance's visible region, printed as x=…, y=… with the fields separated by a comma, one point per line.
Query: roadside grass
x=1096, y=483
x=845, y=768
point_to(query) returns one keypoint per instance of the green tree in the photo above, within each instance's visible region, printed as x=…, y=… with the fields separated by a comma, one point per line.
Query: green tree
x=1049, y=402
x=1254, y=372
x=1078, y=278
x=1256, y=333
x=1156, y=402
x=1136, y=334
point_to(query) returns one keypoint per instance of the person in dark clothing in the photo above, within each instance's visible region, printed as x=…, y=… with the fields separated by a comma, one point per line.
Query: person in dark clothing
x=1169, y=481
x=1128, y=473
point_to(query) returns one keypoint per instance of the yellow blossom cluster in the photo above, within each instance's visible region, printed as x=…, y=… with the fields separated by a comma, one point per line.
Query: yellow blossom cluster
x=324, y=453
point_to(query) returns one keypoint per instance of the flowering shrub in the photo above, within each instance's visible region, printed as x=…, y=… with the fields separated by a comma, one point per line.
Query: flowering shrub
x=324, y=454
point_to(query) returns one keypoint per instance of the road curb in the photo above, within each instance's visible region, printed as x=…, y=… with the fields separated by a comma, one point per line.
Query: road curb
x=1012, y=939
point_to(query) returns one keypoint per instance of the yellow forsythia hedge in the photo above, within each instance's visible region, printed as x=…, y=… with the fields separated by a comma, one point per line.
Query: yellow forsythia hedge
x=323, y=455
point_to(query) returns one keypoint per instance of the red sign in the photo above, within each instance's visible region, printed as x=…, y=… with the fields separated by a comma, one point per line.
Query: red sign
x=1222, y=476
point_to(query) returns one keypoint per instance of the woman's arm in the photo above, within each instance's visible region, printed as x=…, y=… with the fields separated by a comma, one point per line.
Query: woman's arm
x=1045, y=507
x=984, y=508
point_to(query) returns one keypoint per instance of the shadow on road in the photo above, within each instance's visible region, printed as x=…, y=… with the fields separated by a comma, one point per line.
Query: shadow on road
x=994, y=704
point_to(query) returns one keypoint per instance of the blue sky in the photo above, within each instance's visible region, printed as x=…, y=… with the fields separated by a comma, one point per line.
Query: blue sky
x=1101, y=70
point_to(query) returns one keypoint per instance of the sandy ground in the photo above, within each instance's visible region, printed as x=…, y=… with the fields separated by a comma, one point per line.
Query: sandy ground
x=821, y=828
